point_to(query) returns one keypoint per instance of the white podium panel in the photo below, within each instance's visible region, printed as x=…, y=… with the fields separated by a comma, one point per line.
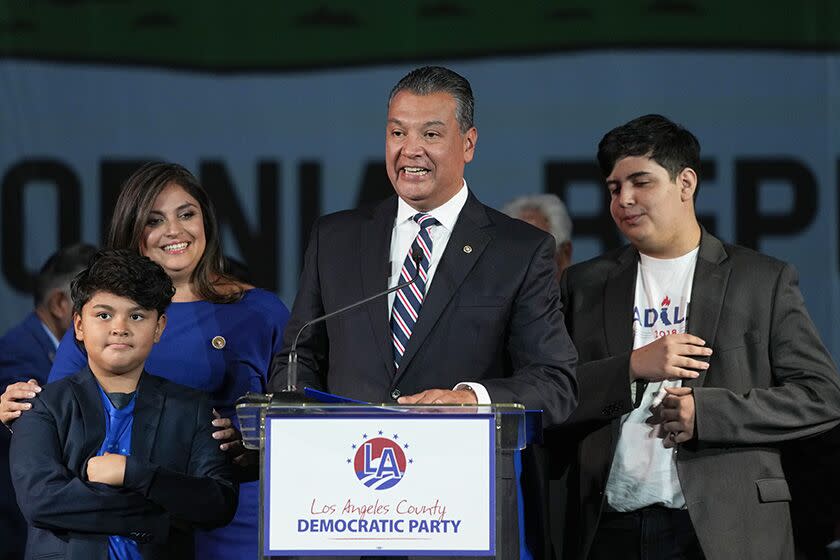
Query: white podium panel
x=379, y=484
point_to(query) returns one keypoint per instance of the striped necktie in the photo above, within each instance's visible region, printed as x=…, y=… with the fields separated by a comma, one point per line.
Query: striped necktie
x=409, y=300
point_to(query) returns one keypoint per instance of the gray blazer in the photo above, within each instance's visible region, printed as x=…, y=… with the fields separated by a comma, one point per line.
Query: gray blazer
x=770, y=380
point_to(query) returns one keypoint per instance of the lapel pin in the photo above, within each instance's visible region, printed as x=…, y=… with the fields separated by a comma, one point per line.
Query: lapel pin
x=218, y=342
x=467, y=249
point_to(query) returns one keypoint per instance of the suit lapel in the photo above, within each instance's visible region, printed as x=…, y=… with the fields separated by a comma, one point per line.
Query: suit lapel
x=619, y=293
x=375, y=251
x=473, y=228
x=93, y=415
x=707, y=293
x=147, y=411
x=36, y=327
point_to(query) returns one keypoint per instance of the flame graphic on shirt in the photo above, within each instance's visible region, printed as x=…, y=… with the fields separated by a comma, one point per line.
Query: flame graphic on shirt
x=666, y=302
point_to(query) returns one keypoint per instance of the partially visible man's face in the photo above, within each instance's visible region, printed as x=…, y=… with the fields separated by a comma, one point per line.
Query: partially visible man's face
x=535, y=218
x=65, y=312
x=425, y=151
x=563, y=256
x=653, y=211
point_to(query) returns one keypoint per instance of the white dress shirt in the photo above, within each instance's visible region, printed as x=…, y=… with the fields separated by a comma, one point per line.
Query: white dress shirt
x=50, y=334
x=403, y=235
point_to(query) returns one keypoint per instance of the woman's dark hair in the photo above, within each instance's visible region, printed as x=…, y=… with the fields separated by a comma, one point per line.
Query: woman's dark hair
x=124, y=273
x=135, y=202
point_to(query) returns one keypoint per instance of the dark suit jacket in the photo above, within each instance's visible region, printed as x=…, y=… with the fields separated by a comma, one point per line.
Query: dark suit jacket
x=26, y=352
x=491, y=315
x=770, y=380
x=176, y=477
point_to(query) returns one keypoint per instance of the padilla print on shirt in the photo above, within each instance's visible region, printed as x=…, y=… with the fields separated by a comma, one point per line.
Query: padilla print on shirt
x=656, y=322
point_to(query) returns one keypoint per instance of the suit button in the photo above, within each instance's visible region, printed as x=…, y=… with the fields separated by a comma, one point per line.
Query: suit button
x=395, y=394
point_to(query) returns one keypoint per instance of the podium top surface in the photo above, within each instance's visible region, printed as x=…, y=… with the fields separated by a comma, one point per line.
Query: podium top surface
x=253, y=409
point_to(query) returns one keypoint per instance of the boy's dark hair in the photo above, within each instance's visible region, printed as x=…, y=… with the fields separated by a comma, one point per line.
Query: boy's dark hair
x=665, y=142
x=126, y=274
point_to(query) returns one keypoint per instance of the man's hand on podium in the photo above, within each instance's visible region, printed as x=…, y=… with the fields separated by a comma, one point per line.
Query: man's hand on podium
x=440, y=396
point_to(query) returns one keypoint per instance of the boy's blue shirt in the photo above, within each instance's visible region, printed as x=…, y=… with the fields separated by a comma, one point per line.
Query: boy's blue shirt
x=118, y=425
x=176, y=477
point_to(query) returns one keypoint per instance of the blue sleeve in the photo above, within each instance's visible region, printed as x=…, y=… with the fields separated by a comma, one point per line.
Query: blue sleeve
x=16, y=366
x=275, y=315
x=280, y=316
x=69, y=358
x=279, y=319
x=263, y=318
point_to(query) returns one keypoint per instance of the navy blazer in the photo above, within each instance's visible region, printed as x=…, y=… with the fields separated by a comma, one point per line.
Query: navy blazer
x=26, y=352
x=175, y=479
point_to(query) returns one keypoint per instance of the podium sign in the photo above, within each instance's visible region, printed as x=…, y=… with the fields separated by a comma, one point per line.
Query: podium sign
x=379, y=484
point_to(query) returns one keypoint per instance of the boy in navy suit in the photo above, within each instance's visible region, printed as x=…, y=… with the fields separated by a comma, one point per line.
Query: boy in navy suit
x=114, y=462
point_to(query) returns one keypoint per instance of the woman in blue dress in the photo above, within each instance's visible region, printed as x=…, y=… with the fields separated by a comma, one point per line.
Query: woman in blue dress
x=221, y=333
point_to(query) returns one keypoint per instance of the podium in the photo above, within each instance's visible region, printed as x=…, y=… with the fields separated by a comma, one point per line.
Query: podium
x=387, y=480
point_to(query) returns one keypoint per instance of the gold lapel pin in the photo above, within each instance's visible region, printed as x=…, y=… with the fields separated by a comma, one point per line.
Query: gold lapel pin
x=218, y=342
x=467, y=249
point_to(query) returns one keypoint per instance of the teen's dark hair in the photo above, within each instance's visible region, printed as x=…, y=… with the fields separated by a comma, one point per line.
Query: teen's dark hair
x=126, y=274
x=59, y=270
x=131, y=213
x=436, y=79
x=665, y=142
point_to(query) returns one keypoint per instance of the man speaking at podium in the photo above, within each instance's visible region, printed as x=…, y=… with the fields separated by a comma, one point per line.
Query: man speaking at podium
x=482, y=322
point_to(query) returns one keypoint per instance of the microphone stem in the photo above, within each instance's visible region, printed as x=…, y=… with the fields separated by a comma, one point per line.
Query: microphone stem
x=292, y=364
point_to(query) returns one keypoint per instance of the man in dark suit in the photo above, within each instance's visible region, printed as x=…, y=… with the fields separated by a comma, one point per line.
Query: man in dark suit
x=483, y=323
x=27, y=349
x=697, y=358
x=26, y=353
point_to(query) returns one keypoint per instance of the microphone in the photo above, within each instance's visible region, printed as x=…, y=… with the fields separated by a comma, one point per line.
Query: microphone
x=292, y=364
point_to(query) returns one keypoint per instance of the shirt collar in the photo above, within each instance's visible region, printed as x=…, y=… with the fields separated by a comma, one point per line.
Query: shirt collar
x=447, y=213
x=53, y=339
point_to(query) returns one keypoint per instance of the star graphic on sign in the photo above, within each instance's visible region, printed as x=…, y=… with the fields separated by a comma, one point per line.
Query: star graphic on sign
x=357, y=446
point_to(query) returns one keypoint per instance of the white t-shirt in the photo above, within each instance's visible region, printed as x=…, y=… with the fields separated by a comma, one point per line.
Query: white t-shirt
x=644, y=472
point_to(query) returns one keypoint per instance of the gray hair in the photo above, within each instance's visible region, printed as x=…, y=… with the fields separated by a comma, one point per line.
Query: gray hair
x=550, y=206
x=437, y=79
x=59, y=269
